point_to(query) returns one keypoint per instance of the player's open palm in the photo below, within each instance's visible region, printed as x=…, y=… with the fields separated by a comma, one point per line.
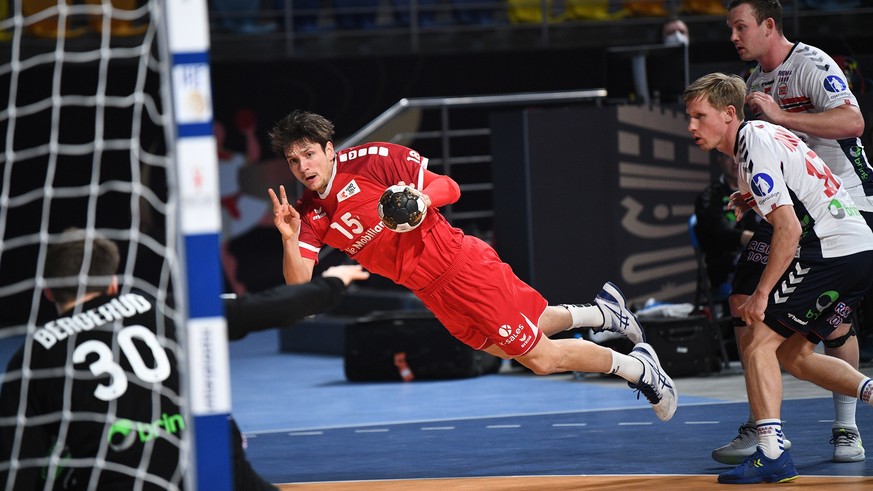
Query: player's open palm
x=285, y=217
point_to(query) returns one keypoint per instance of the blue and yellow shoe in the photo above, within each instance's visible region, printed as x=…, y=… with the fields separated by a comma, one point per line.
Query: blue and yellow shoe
x=758, y=468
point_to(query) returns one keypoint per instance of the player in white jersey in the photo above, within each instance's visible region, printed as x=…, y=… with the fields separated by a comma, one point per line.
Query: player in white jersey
x=809, y=81
x=800, y=88
x=820, y=264
x=779, y=170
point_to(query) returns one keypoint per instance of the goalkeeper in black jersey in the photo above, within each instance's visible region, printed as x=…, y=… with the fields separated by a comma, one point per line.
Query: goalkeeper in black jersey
x=91, y=400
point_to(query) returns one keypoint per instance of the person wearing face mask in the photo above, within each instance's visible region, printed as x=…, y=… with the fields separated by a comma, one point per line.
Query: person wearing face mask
x=674, y=32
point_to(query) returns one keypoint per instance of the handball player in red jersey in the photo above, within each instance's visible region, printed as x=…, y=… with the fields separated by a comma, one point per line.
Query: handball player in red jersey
x=458, y=277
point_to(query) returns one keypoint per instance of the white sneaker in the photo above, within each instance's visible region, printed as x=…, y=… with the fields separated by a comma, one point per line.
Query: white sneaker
x=616, y=316
x=654, y=383
x=847, y=445
x=743, y=445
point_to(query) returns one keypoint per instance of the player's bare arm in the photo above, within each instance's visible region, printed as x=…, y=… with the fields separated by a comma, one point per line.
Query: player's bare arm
x=295, y=268
x=845, y=121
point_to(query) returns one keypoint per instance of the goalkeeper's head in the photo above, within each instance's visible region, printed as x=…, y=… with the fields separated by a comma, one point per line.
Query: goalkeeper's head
x=69, y=282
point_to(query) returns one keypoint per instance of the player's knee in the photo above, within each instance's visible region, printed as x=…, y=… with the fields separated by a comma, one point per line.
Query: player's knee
x=791, y=363
x=839, y=341
x=539, y=364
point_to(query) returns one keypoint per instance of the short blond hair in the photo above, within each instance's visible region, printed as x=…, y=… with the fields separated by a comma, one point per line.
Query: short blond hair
x=720, y=89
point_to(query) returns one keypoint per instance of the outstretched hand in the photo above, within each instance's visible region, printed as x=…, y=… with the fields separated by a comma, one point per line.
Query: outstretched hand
x=285, y=216
x=347, y=273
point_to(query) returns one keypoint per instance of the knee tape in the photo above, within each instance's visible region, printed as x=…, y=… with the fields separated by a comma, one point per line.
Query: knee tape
x=836, y=343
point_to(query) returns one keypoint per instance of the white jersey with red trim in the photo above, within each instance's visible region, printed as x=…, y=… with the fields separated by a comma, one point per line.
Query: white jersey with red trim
x=776, y=168
x=345, y=217
x=811, y=81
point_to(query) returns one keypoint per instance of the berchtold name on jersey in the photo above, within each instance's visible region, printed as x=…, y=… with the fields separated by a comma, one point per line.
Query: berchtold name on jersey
x=127, y=305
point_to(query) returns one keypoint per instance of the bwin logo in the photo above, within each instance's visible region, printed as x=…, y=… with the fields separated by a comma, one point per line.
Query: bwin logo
x=836, y=209
x=826, y=299
x=762, y=184
x=125, y=431
x=823, y=301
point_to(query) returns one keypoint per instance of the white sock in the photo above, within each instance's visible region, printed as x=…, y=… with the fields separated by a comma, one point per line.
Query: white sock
x=865, y=391
x=585, y=315
x=844, y=411
x=626, y=367
x=770, y=438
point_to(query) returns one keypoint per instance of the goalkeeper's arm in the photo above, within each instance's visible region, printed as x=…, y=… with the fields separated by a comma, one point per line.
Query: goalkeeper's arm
x=285, y=305
x=281, y=306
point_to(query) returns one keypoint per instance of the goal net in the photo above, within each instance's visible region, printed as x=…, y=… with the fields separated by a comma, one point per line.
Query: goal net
x=105, y=119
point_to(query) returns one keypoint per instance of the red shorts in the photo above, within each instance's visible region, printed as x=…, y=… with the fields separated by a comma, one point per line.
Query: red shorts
x=481, y=301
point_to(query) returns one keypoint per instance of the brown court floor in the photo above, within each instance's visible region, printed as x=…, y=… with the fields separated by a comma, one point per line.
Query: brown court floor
x=600, y=483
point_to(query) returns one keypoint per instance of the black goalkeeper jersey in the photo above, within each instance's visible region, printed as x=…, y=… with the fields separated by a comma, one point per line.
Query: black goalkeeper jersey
x=96, y=405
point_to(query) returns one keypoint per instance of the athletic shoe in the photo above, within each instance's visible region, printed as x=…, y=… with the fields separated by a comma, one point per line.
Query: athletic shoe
x=847, y=445
x=654, y=383
x=758, y=468
x=742, y=446
x=616, y=316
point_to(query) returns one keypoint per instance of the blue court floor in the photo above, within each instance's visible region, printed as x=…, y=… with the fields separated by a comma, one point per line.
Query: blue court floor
x=304, y=423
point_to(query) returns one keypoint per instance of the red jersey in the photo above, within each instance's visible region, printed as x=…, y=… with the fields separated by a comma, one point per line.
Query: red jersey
x=474, y=295
x=345, y=217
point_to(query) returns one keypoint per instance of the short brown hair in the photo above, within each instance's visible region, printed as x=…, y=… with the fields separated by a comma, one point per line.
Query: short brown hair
x=65, y=257
x=763, y=9
x=300, y=126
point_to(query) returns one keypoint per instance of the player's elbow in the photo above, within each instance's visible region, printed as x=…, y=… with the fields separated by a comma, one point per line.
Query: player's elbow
x=454, y=191
x=793, y=233
x=851, y=123
x=857, y=128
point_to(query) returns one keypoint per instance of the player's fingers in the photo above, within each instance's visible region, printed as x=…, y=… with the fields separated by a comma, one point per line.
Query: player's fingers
x=273, y=197
x=284, y=194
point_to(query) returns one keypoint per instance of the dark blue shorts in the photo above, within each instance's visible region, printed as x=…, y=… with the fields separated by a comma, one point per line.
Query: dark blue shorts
x=814, y=297
x=753, y=260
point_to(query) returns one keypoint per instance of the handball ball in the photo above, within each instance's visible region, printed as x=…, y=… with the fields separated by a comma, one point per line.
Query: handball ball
x=401, y=208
